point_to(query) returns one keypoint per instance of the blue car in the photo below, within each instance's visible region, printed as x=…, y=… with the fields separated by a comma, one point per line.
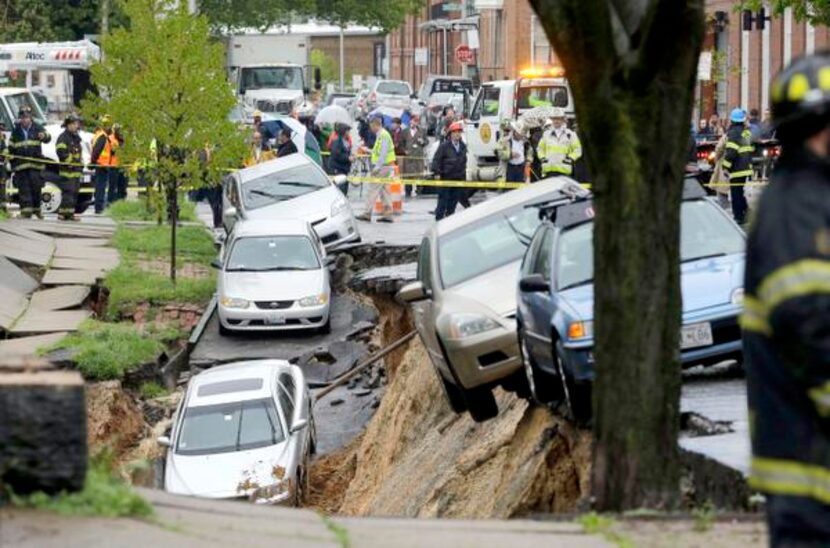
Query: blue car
x=556, y=296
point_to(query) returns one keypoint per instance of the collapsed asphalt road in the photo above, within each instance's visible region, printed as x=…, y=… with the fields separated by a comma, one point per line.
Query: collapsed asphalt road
x=323, y=358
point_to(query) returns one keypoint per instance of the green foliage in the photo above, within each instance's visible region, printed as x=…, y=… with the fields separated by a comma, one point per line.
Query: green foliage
x=25, y=20
x=103, y=495
x=164, y=80
x=152, y=390
x=704, y=515
x=142, y=210
x=386, y=14
x=596, y=524
x=193, y=243
x=329, y=69
x=129, y=285
x=46, y=20
x=341, y=534
x=106, y=351
x=814, y=11
x=258, y=14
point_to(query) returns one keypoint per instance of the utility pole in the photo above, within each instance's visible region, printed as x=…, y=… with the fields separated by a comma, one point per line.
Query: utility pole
x=105, y=17
x=342, y=63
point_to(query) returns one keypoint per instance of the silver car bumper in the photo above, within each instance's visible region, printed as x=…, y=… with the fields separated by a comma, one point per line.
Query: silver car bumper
x=484, y=358
x=336, y=231
x=257, y=319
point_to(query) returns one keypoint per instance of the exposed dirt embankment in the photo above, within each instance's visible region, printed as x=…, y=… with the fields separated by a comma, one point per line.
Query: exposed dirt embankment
x=417, y=458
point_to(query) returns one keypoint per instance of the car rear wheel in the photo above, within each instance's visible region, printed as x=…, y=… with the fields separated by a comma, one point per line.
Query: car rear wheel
x=577, y=394
x=543, y=387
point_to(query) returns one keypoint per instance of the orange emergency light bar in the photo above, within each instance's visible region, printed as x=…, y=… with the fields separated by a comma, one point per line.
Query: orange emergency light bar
x=534, y=72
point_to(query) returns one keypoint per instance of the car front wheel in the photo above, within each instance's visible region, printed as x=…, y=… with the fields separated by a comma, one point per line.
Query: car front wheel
x=578, y=394
x=481, y=403
x=545, y=388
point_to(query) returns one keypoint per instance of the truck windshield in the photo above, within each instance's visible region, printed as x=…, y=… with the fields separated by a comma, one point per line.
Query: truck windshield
x=452, y=86
x=18, y=100
x=271, y=78
x=543, y=96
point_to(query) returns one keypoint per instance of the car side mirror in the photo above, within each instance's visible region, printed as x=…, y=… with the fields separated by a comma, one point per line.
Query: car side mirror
x=414, y=292
x=298, y=425
x=217, y=264
x=534, y=283
x=340, y=179
x=231, y=212
x=164, y=441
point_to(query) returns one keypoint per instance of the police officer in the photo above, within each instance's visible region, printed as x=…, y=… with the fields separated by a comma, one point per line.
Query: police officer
x=27, y=161
x=68, y=149
x=737, y=161
x=786, y=320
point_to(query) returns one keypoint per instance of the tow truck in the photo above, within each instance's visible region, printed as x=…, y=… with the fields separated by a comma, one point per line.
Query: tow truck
x=74, y=57
x=509, y=99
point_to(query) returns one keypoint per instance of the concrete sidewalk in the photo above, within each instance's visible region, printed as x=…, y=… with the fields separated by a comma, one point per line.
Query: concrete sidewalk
x=186, y=522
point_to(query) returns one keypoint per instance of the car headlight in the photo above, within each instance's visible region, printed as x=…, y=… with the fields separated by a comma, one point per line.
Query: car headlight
x=737, y=296
x=314, y=300
x=467, y=325
x=230, y=302
x=272, y=494
x=581, y=330
x=339, y=206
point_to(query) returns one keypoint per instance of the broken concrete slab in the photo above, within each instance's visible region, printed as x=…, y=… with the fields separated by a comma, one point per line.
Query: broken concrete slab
x=87, y=252
x=59, y=298
x=64, y=229
x=19, y=249
x=15, y=278
x=23, y=232
x=80, y=242
x=98, y=262
x=14, y=304
x=24, y=347
x=55, y=276
x=49, y=321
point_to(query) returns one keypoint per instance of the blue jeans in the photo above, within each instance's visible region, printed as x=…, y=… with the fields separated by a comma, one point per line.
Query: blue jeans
x=102, y=181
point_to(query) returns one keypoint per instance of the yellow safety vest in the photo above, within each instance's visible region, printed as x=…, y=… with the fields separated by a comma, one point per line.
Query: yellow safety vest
x=382, y=137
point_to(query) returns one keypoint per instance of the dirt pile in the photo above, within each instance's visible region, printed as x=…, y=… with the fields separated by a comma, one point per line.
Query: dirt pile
x=419, y=459
x=114, y=419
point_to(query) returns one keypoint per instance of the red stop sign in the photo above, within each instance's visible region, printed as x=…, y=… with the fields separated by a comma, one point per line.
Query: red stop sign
x=463, y=54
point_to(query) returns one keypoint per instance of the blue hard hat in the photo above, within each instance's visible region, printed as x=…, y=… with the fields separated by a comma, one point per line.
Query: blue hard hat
x=738, y=116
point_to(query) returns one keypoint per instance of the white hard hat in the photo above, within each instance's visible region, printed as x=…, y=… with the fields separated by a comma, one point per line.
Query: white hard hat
x=558, y=112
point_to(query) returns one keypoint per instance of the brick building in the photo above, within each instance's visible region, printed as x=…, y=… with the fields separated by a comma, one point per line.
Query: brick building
x=744, y=62
x=508, y=33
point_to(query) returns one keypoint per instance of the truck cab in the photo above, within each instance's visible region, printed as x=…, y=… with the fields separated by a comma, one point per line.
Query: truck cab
x=11, y=100
x=509, y=99
x=274, y=88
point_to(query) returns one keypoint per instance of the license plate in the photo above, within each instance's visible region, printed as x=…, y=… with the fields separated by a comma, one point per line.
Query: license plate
x=696, y=335
x=275, y=319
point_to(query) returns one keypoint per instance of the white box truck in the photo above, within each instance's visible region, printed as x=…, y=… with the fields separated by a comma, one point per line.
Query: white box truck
x=271, y=71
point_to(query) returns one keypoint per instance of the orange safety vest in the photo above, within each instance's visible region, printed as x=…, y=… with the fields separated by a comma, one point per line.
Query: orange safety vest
x=114, y=144
x=106, y=158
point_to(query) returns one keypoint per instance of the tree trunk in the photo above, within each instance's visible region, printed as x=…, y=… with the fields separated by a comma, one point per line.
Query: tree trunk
x=173, y=201
x=631, y=66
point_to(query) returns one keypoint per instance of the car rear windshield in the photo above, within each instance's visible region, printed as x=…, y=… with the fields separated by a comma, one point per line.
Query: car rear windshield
x=704, y=232
x=282, y=185
x=543, y=96
x=454, y=86
x=484, y=246
x=393, y=88
x=229, y=427
x=272, y=253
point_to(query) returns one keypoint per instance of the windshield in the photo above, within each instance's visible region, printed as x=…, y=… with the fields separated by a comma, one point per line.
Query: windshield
x=282, y=185
x=704, y=232
x=271, y=253
x=493, y=242
x=456, y=86
x=228, y=427
x=19, y=100
x=393, y=88
x=271, y=78
x=454, y=99
x=543, y=96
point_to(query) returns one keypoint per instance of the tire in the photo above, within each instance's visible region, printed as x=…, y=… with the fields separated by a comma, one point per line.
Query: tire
x=481, y=403
x=543, y=387
x=454, y=395
x=517, y=383
x=577, y=394
x=50, y=198
x=224, y=331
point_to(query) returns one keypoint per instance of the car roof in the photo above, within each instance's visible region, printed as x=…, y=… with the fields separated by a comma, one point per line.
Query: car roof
x=545, y=189
x=264, y=370
x=271, y=227
x=274, y=166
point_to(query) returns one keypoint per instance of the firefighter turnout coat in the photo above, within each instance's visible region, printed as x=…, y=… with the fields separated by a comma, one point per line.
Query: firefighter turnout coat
x=786, y=323
x=737, y=159
x=559, y=151
x=25, y=147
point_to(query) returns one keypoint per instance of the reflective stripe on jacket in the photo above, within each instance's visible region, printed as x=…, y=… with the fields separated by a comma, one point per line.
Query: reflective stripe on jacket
x=24, y=145
x=786, y=331
x=559, y=153
x=384, y=140
x=737, y=159
x=68, y=149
